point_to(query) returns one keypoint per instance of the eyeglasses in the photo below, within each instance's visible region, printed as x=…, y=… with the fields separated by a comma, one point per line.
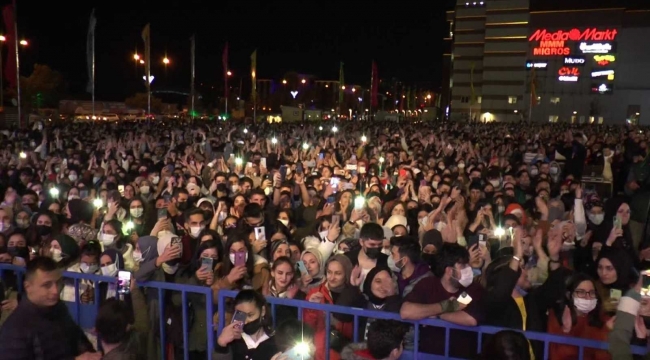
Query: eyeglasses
x=583, y=294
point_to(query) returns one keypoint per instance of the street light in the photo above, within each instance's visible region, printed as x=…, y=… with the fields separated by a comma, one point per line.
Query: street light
x=23, y=42
x=229, y=73
x=142, y=62
x=284, y=82
x=303, y=81
x=429, y=96
x=166, y=61
x=354, y=90
x=3, y=38
x=343, y=87
x=136, y=57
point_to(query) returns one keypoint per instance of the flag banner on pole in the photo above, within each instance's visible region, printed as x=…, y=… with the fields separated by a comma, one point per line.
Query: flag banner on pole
x=224, y=63
x=146, y=38
x=10, y=63
x=254, y=75
x=408, y=98
x=533, y=87
x=471, y=83
x=341, y=84
x=374, y=85
x=90, y=49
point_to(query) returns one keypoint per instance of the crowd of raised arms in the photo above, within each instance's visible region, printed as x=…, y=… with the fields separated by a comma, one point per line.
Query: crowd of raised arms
x=531, y=227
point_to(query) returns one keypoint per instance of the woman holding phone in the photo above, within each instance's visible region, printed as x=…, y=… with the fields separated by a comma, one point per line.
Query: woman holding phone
x=199, y=273
x=240, y=268
x=250, y=335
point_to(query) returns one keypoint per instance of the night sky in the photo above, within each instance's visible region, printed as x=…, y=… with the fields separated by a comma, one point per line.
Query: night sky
x=310, y=37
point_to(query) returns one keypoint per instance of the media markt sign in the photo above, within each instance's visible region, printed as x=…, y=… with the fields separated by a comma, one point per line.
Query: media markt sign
x=560, y=42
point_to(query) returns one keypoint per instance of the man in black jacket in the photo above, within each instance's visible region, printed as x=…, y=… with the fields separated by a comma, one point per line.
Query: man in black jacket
x=41, y=327
x=371, y=238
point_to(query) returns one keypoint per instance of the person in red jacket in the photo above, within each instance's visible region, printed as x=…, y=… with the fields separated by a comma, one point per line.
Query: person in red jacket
x=338, y=290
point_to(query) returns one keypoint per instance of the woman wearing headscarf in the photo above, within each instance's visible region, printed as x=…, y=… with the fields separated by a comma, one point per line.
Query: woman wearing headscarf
x=313, y=260
x=80, y=216
x=111, y=263
x=335, y=290
x=616, y=229
x=431, y=244
x=615, y=274
x=380, y=294
x=144, y=245
x=64, y=250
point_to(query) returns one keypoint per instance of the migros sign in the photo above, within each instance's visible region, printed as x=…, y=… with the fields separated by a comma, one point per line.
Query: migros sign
x=590, y=34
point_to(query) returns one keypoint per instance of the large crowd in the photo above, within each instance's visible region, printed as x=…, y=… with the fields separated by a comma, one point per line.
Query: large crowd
x=531, y=227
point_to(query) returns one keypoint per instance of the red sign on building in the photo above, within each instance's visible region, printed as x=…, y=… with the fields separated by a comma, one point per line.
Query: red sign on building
x=555, y=43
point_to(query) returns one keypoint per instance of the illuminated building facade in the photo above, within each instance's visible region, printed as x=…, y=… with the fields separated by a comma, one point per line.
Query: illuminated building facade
x=580, y=65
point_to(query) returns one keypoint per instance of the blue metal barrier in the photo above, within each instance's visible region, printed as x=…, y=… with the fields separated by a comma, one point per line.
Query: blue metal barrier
x=85, y=314
x=480, y=330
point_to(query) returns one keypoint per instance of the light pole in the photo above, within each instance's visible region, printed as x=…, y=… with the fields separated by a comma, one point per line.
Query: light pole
x=2, y=88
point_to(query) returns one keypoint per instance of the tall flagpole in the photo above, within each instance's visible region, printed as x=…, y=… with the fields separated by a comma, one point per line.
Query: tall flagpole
x=372, y=83
x=17, y=63
x=193, y=49
x=92, y=49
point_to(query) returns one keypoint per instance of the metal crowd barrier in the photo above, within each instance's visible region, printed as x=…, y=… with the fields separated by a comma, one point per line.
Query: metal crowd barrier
x=85, y=314
x=480, y=330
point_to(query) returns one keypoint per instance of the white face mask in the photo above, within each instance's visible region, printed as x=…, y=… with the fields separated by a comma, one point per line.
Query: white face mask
x=222, y=216
x=466, y=277
x=195, y=231
x=434, y=184
x=72, y=197
x=144, y=190
x=554, y=170
x=496, y=183
x=107, y=239
x=72, y=177
x=136, y=212
x=461, y=165
x=268, y=191
x=234, y=189
x=392, y=264
x=109, y=270
x=169, y=269
x=231, y=256
x=585, y=305
x=597, y=219
x=137, y=256
x=57, y=255
x=284, y=222
x=88, y=269
x=155, y=180
x=386, y=251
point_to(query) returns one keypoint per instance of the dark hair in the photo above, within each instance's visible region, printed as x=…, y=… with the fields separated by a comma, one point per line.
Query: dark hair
x=112, y=321
x=281, y=260
x=258, y=299
x=290, y=332
x=41, y=263
x=91, y=248
x=179, y=191
x=506, y=345
x=191, y=212
x=572, y=284
x=385, y=336
x=253, y=210
x=226, y=265
x=372, y=231
x=448, y=255
x=407, y=246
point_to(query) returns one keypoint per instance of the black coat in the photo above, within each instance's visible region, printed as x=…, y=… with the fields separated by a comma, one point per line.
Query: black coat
x=501, y=310
x=237, y=350
x=32, y=333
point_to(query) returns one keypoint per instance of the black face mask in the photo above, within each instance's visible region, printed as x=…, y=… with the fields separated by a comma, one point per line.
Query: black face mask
x=18, y=251
x=252, y=327
x=428, y=259
x=372, y=253
x=43, y=230
x=208, y=214
x=182, y=206
x=192, y=199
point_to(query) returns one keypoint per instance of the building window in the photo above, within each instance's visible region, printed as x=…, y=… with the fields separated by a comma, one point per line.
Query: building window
x=591, y=119
x=479, y=99
x=600, y=119
x=553, y=118
x=464, y=99
x=582, y=119
x=512, y=99
x=555, y=100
